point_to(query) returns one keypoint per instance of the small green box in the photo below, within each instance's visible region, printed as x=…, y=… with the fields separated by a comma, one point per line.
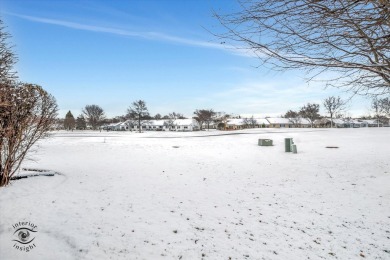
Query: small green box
x=288, y=142
x=265, y=142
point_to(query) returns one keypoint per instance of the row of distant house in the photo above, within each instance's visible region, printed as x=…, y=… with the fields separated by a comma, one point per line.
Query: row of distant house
x=241, y=123
x=155, y=125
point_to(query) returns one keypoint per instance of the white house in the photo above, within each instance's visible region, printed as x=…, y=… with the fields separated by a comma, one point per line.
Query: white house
x=300, y=122
x=121, y=126
x=278, y=122
x=156, y=125
x=262, y=122
x=235, y=124
x=371, y=123
x=352, y=123
x=339, y=122
x=185, y=125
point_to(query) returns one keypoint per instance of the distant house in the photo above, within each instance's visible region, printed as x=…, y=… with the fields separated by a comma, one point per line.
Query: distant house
x=340, y=123
x=235, y=124
x=352, y=123
x=363, y=123
x=262, y=122
x=321, y=123
x=278, y=122
x=185, y=125
x=121, y=126
x=327, y=122
x=211, y=125
x=243, y=123
x=371, y=123
x=300, y=122
x=156, y=125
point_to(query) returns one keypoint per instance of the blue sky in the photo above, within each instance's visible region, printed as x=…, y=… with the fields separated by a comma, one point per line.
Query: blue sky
x=111, y=53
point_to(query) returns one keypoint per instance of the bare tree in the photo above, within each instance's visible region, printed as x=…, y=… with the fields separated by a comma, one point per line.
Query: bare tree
x=250, y=122
x=294, y=117
x=310, y=111
x=349, y=39
x=385, y=106
x=27, y=114
x=94, y=115
x=376, y=107
x=175, y=116
x=204, y=116
x=333, y=105
x=157, y=116
x=171, y=118
x=221, y=119
x=138, y=112
x=69, y=122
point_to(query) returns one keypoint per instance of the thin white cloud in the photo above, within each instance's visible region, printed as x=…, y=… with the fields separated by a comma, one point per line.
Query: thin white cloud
x=157, y=36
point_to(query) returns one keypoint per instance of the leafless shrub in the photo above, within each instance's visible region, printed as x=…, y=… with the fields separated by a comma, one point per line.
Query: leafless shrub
x=27, y=114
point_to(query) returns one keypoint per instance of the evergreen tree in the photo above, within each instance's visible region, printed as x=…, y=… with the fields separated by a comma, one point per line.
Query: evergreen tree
x=81, y=124
x=69, y=122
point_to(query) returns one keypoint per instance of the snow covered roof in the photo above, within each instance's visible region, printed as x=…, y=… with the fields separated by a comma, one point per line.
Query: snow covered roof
x=261, y=121
x=235, y=121
x=184, y=122
x=338, y=121
x=352, y=121
x=156, y=122
x=241, y=121
x=278, y=120
x=114, y=124
x=302, y=121
x=370, y=121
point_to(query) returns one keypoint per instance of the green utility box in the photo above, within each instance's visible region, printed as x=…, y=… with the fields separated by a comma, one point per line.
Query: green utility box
x=265, y=142
x=288, y=142
x=294, y=148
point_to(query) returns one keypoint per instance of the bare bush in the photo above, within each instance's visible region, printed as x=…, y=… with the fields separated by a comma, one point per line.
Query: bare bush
x=27, y=114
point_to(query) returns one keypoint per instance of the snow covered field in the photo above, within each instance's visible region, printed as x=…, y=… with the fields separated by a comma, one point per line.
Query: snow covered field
x=168, y=195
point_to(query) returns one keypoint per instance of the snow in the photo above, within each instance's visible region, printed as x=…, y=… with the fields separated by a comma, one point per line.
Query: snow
x=122, y=195
x=278, y=120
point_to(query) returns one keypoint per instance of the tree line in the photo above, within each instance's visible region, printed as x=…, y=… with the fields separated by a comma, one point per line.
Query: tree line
x=335, y=106
x=138, y=114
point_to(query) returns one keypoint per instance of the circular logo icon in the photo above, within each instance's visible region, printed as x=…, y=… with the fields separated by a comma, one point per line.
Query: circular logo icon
x=23, y=235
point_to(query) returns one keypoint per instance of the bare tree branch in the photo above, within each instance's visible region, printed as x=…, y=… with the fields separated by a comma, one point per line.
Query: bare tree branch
x=349, y=39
